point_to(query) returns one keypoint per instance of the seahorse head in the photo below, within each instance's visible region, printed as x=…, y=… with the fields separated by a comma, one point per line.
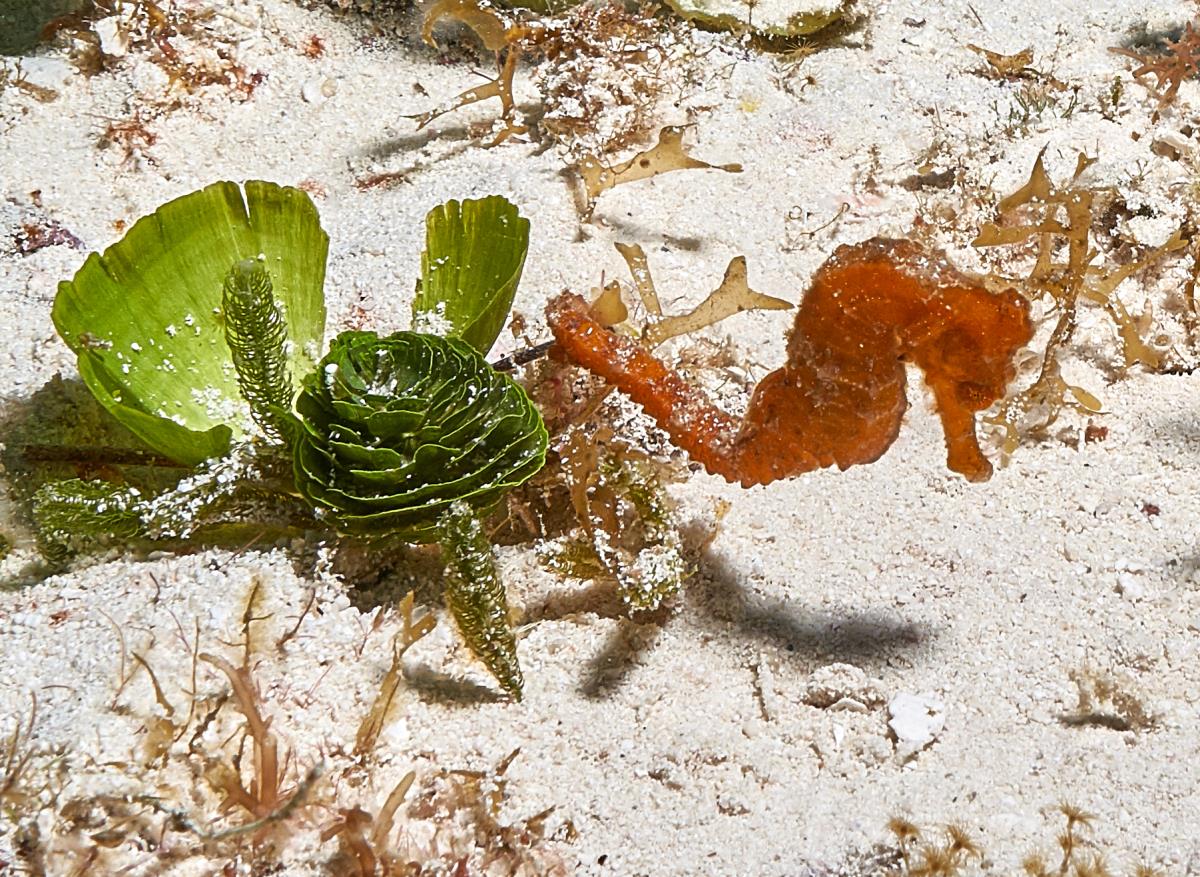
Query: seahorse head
x=974, y=351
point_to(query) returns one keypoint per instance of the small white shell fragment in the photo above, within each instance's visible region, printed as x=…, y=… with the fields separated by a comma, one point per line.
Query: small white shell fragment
x=318, y=89
x=849, y=705
x=114, y=41
x=311, y=91
x=1130, y=587
x=915, y=720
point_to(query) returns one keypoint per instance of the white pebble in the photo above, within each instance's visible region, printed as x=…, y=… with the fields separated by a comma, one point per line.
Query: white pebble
x=318, y=90
x=1130, y=587
x=114, y=40
x=915, y=720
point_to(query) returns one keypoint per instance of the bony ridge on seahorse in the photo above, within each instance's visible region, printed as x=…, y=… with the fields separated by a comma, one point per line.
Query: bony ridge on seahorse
x=839, y=399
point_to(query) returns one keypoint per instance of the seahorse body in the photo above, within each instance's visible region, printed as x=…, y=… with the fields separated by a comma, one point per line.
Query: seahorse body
x=839, y=399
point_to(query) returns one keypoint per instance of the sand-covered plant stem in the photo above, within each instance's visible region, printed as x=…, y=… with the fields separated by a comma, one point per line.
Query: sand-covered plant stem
x=476, y=596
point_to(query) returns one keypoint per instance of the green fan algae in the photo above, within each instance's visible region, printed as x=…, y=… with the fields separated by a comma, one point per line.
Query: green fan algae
x=145, y=319
x=474, y=253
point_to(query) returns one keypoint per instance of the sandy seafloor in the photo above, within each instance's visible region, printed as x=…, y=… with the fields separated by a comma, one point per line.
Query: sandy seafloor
x=684, y=744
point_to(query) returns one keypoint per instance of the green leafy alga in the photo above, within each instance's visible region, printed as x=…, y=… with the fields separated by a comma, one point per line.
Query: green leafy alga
x=145, y=319
x=474, y=253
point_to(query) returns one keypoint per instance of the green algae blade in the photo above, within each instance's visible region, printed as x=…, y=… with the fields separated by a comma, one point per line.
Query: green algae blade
x=144, y=318
x=474, y=253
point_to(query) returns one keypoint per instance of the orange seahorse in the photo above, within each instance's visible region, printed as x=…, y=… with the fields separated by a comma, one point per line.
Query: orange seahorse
x=839, y=399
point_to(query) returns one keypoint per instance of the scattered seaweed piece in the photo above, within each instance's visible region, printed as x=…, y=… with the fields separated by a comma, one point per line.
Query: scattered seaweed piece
x=1018, y=65
x=779, y=24
x=383, y=180
x=599, y=68
x=840, y=398
x=733, y=296
x=15, y=76
x=606, y=66
x=491, y=28
x=375, y=720
x=1176, y=61
x=35, y=236
x=498, y=35
x=668, y=154
x=628, y=530
x=266, y=792
x=176, y=37
x=643, y=282
x=1106, y=703
x=1004, y=66
x=464, y=807
x=18, y=754
x=132, y=134
x=1067, y=213
x=364, y=843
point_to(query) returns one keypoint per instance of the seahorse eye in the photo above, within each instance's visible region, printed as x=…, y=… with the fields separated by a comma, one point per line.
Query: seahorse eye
x=974, y=396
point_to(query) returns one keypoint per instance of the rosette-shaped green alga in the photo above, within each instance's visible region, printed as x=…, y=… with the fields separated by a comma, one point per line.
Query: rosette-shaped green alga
x=395, y=429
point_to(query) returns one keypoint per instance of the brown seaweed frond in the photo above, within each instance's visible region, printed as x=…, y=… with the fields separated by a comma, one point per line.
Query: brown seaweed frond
x=628, y=533
x=501, y=87
x=668, y=154
x=463, y=810
x=266, y=783
x=470, y=833
x=376, y=718
x=1104, y=702
x=500, y=35
x=1178, y=60
x=1002, y=66
x=364, y=841
x=625, y=46
x=1051, y=215
x=733, y=296
x=16, y=757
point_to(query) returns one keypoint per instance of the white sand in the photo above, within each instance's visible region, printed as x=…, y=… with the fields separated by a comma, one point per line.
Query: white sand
x=684, y=745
